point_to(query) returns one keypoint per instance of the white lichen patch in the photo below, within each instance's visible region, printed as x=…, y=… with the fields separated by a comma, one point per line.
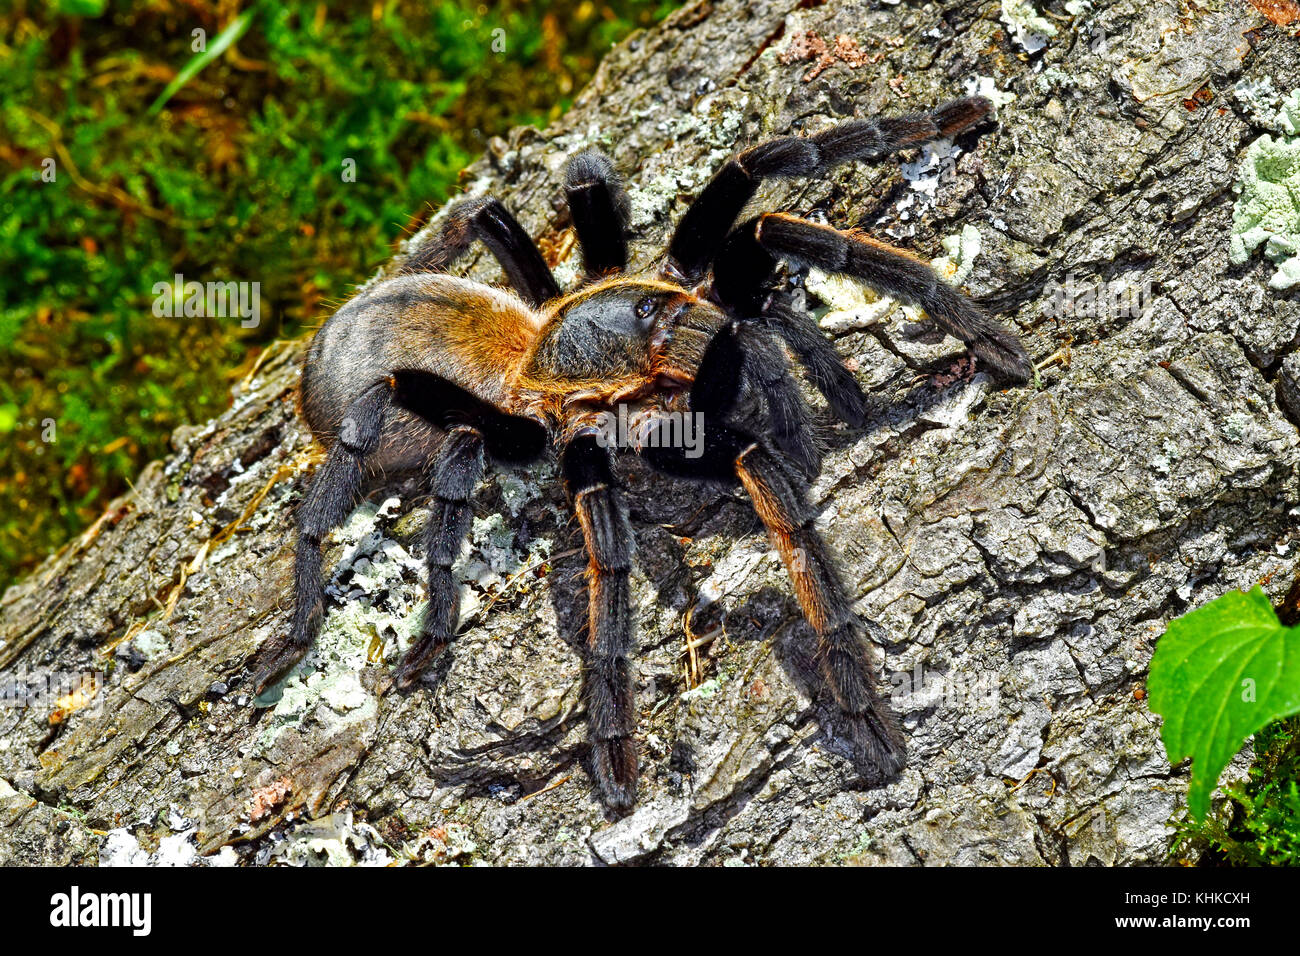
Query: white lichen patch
x=494, y=538
x=987, y=87
x=1029, y=28
x=519, y=489
x=335, y=840
x=566, y=273
x=377, y=592
x=719, y=128
x=1259, y=99
x=704, y=691
x=937, y=160
x=326, y=685
x=176, y=850
x=151, y=645
x=496, y=552
x=378, y=587
x=1267, y=211
x=961, y=249
x=122, y=848
x=850, y=305
x=452, y=844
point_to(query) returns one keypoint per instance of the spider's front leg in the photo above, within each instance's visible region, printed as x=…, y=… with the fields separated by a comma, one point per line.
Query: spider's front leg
x=826, y=603
x=332, y=496
x=894, y=272
x=745, y=350
x=611, y=706
x=730, y=455
x=699, y=236
x=599, y=207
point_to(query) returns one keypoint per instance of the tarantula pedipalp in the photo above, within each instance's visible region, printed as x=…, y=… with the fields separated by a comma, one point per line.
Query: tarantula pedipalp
x=428, y=371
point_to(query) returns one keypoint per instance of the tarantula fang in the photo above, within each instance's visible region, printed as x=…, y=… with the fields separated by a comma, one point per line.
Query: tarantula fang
x=441, y=375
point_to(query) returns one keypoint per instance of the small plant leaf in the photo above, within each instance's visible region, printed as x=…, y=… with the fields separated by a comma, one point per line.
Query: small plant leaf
x=233, y=31
x=1219, y=674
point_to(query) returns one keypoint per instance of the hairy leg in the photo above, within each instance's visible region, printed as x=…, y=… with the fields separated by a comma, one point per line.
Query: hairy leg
x=822, y=364
x=599, y=207
x=845, y=662
x=901, y=275
x=700, y=234
x=740, y=281
x=488, y=221
x=843, y=656
x=747, y=350
x=457, y=467
x=332, y=496
x=788, y=415
x=611, y=707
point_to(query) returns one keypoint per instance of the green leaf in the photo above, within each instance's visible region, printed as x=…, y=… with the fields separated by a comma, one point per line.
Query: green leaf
x=233, y=31
x=1219, y=674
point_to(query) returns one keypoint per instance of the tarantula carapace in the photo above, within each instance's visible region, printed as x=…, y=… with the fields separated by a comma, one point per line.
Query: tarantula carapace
x=424, y=370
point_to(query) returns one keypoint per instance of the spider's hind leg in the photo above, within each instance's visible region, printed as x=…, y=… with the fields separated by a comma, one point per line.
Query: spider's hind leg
x=457, y=467
x=332, y=496
x=599, y=207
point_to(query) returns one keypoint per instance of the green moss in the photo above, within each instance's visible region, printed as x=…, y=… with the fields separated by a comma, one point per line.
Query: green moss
x=1259, y=825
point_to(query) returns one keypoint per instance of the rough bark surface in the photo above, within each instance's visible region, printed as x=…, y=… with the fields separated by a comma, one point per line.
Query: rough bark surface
x=1034, y=541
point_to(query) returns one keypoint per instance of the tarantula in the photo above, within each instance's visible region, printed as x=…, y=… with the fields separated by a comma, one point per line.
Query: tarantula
x=428, y=371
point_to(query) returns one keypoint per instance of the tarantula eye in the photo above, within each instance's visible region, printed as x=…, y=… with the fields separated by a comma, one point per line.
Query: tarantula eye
x=647, y=307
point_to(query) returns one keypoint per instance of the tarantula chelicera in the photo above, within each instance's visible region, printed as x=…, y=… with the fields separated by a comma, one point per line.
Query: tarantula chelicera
x=425, y=370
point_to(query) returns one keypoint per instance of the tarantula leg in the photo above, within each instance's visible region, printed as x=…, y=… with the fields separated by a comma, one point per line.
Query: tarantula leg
x=488, y=221
x=332, y=496
x=901, y=275
x=845, y=662
x=599, y=207
x=787, y=413
x=701, y=231
x=748, y=350
x=740, y=277
x=611, y=712
x=457, y=467
x=778, y=499
x=823, y=365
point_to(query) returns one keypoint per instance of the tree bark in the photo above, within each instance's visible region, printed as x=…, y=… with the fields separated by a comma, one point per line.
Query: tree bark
x=1022, y=548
